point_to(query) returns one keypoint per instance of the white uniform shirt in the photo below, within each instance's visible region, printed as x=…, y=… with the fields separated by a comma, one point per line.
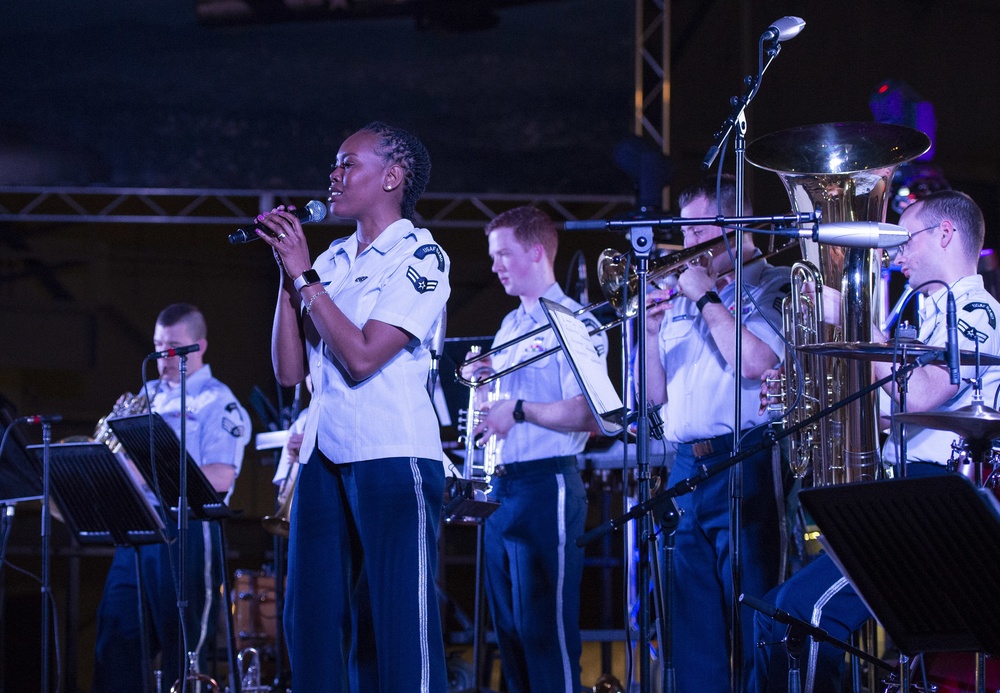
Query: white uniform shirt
x=977, y=321
x=700, y=384
x=400, y=279
x=547, y=380
x=217, y=428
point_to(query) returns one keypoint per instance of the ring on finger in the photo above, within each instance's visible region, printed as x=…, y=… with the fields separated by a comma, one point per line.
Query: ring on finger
x=282, y=235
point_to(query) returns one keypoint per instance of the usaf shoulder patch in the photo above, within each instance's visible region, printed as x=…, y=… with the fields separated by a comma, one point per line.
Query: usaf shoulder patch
x=971, y=333
x=431, y=248
x=234, y=429
x=981, y=305
x=421, y=284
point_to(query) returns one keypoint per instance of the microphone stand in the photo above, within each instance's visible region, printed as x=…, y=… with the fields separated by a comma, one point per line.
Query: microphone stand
x=182, y=531
x=46, y=551
x=736, y=472
x=737, y=120
x=795, y=636
x=641, y=238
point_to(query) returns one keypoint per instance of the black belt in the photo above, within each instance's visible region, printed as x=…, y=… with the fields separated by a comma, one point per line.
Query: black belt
x=545, y=465
x=709, y=446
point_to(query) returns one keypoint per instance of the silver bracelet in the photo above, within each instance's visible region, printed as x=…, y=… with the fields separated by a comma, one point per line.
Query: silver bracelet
x=316, y=295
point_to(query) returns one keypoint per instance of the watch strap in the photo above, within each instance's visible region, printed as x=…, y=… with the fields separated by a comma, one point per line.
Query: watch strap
x=307, y=278
x=709, y=297
x=519, y=411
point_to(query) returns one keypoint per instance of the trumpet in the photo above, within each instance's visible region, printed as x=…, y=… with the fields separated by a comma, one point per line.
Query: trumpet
x=480, y=395
x=620, y=279
x=279, y=523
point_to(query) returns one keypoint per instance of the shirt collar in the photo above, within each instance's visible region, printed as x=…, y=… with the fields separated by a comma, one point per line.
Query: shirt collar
x=553, y=293
x=936, y=302
x=390, y=236
x=194, y=382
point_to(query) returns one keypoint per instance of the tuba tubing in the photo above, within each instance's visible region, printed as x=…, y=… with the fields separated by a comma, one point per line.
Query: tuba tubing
x=843, y=170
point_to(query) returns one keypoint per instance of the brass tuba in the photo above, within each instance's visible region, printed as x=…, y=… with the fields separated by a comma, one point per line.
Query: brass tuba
x=843, y=170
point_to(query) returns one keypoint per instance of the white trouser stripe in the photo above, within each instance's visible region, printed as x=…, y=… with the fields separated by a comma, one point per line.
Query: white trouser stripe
x=422, y=576
x=817, y=614
x=560, y=581
x=209, y=587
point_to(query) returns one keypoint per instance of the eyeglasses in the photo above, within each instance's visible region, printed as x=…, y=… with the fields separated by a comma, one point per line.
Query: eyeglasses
x=901, y=249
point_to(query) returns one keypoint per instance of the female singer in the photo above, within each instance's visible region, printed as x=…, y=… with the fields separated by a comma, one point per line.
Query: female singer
x=361, y=602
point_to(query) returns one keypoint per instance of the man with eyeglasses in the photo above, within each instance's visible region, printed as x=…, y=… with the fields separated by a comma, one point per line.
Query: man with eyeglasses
x=941, y=257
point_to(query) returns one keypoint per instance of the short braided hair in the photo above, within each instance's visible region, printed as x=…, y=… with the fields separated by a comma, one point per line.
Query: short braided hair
x=399, y=146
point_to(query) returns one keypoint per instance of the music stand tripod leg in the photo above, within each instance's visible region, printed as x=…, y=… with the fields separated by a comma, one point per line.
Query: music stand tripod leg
x=147, y=659
x=235, y=674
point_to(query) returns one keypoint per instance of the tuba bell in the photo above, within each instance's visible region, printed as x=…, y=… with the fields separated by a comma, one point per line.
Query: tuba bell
x=844, y=170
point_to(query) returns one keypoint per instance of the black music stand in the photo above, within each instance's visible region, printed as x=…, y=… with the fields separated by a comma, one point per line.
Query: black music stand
x=154, y=448
x=133, y=432
x=99, y=501
x=101, y=504
x=919, y=552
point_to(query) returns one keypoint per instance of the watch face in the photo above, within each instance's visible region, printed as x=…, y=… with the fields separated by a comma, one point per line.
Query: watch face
x=311, y=276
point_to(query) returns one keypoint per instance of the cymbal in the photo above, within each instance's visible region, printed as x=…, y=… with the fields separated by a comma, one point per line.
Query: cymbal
x=885, y=351
x=974, y=422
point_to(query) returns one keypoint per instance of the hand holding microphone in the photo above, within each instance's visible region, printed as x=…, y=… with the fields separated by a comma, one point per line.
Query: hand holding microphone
x=313, y=211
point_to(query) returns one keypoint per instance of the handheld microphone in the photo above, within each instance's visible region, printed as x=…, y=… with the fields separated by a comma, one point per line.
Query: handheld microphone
x=783, y=29
x=313, y=211
x=35, y=420
x=178, y=351
x=952, y=351
x=853, y=234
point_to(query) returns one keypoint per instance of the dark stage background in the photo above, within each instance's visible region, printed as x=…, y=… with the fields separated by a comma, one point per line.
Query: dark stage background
x=124, y=94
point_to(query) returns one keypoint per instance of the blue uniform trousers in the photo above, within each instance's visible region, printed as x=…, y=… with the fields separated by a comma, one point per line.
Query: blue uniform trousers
x=703, y=592
x=118, y=652
x=533, y=573
x=361, y=611
x=818, y=594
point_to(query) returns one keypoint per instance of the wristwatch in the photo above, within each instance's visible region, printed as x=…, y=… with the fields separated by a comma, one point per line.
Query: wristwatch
x=709, y=297
x=307, y=278
x=519, y=411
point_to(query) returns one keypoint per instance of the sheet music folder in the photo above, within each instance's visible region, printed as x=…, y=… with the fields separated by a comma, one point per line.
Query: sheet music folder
x=133, y=432
x=590, y=371
x=923, y=554
x=99, y=500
